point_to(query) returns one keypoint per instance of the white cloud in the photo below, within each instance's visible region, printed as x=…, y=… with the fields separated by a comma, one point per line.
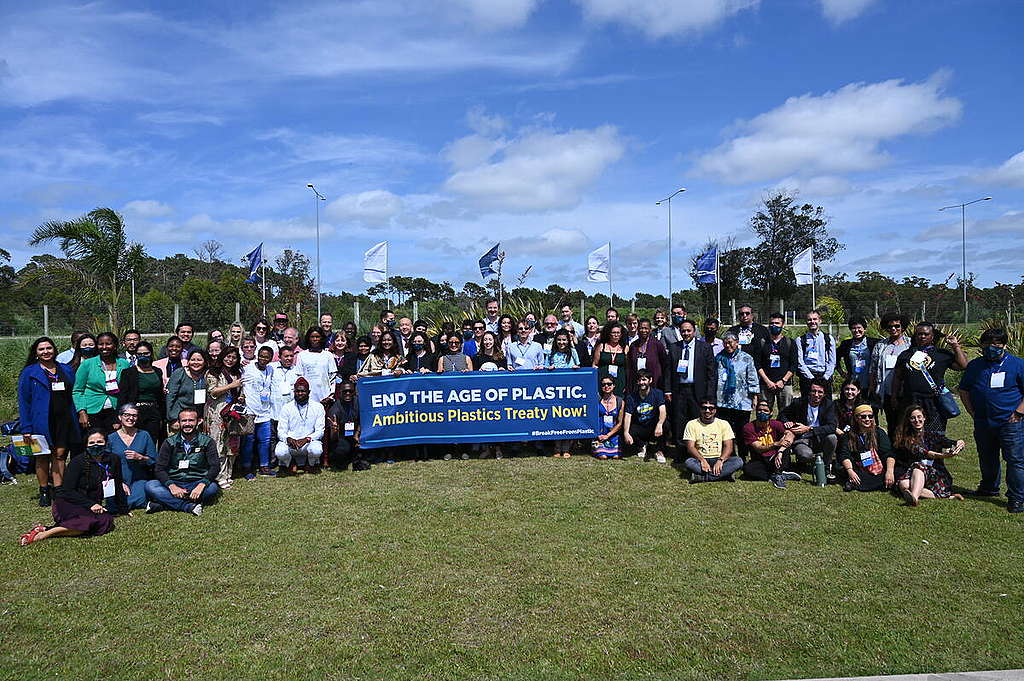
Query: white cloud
x=146, y=208
x=838, y=131
x=661, y=18
x=344, y=149
x=180, y=118
x=376, y=206
x=556, y=242
x=497, y=14
x=539, y=170
x=838, y=11
x=1010, y=173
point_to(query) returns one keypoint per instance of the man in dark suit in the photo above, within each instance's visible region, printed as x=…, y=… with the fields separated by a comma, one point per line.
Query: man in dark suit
x=812, y=419
x=691, y=376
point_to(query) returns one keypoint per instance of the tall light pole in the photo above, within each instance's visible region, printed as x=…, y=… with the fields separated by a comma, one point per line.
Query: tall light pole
x=963, y=243
x=317, y=198
x=668, y=200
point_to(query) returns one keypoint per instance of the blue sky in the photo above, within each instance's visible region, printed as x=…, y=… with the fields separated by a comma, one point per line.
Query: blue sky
x=553, y=126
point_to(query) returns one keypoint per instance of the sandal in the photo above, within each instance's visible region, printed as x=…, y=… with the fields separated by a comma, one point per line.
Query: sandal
x=30, y=536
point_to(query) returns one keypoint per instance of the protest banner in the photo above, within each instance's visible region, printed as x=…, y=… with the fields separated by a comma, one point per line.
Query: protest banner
x=478, y=406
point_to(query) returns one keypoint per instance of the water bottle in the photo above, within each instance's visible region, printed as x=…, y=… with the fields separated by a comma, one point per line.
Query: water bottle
x=820, y=478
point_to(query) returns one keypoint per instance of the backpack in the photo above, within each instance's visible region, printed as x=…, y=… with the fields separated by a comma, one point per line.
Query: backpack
x=803, y=343
x=16, y=463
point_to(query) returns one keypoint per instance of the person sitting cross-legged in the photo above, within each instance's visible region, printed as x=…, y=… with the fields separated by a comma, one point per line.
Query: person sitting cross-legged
x=710, y=447
x=769, y=444
x=812, y=420
x=300, y=432
x=186, y=469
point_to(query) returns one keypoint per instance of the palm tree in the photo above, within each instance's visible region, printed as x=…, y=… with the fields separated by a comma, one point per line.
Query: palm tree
x=98, y=264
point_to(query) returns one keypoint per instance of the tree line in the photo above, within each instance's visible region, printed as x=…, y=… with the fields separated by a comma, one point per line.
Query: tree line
x=86, y=272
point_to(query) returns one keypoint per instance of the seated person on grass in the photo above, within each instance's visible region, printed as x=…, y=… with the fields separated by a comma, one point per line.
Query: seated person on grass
x=186, y=469
x=812, y=420
x=866, y=454
x=300, y=432
x=710, y=447
x=645, y=417
x=769, y=444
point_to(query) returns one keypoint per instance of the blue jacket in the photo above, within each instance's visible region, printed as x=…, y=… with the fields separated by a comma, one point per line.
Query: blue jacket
x=34, y=399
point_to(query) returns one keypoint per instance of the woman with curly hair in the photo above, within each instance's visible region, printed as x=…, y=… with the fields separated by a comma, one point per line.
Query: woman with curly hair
x=927, y=476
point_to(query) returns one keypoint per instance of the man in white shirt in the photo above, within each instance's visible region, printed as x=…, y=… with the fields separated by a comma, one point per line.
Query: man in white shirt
x=282, y=381
x=300, y=432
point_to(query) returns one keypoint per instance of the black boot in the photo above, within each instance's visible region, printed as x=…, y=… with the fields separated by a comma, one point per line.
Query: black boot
x=44, y=496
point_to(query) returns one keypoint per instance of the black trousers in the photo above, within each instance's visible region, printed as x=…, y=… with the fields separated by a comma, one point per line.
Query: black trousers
x=684, y=409
x=643, y=434
x=763, y=467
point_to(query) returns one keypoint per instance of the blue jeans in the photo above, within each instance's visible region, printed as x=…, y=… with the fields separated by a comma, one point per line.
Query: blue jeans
x=260, y=441
x=4, y=472
x=1009, y=439
x=159, y=494
x=729, y=466
x=136, y=498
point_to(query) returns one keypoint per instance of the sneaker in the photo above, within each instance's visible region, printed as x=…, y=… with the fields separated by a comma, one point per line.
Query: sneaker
x=9, y=481
x=499, y=455
x=779, y=481
x=791, y=475
x=1015, y=507
x=465, y=456
x=447, y=456
x=153, y=507
x=197, y=509
x=698, y=477
x=44, y=496
x=250, y=476
x=642, y=454
x=659, y=457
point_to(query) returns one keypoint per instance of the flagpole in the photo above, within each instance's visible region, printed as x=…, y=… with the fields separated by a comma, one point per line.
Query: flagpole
x=718, y=281
x=814, y=297
x=263, y=284
x=611, y=298
x=387, y=270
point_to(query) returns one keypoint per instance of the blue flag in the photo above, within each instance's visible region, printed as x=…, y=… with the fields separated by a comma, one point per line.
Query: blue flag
x=707, y=266
x=255, y=258
x=487, y=259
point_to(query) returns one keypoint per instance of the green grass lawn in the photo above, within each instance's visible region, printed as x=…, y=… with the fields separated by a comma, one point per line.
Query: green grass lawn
x=519, y=569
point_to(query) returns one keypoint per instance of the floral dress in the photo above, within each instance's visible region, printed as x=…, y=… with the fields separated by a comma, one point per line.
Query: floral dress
x=937, y=478
x=609, y=417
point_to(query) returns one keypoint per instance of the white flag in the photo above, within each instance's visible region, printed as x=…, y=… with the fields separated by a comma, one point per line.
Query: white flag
x=599, y=263
x=803, y=266
x=375, y=263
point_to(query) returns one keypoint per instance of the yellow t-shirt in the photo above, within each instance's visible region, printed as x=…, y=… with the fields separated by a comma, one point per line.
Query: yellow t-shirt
x=708, y=438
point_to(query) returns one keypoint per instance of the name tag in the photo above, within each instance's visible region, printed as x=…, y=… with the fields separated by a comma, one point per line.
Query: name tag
x=613, y=370
x=774, y=361
x=919, y=357
x=110, y=375
x=997, y=379
x=812, y=352
x=350, y=428
x=57, y=386
x=520, y=361
x=385, y=372
x=199, y=396
x=183, y=464
x=867, y=458
x=608, y=420
x=746, y=337
x=889, y=362
x=858, y=365
x=641, y=363
x=264, y=398
x=111, y=381
x=927, y=462
x=683, y=367
x=109, y=488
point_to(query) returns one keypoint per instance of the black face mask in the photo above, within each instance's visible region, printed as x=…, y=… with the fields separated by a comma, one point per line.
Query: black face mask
x=87, y=352
x=143, y=360
x=96, y=451
x=467, y=335
x=417, y=346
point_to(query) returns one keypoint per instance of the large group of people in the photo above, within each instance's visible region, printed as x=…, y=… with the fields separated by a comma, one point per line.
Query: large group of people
x=128, y=426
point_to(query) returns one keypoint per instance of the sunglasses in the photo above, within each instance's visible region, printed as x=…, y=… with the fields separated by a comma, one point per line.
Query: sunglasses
x=895, y=326
x=129, y=416
x=865, y=416
x=703, y=408
x=607, y=384
x=261, y=328
x=347, y=392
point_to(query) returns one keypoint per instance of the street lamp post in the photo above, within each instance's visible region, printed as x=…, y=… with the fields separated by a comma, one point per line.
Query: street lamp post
x=963, y=243
x=668, y=200
x=318, y=197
